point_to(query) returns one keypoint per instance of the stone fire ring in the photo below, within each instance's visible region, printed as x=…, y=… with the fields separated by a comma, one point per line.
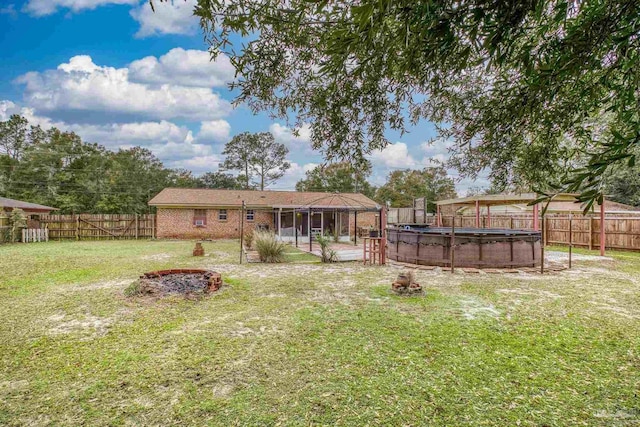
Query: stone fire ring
x=214, y=278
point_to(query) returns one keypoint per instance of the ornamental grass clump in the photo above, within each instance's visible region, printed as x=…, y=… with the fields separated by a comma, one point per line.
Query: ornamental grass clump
x=268, y=247
x=326, y=253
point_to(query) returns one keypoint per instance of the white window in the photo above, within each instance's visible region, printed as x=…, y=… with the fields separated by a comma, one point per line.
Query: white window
x=222, y=215
x=250, y=215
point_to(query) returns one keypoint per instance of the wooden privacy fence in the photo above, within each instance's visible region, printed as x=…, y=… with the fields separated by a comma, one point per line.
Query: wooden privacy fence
x=620, y=232
x=99, y=226
x=4, y=227
x=409, y=216
x=511, y=222
x=418, y=214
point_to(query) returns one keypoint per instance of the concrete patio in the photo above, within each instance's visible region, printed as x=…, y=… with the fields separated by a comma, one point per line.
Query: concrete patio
x=344, y=251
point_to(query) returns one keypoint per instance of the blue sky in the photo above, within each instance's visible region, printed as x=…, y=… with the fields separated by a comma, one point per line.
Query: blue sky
x=120, y=75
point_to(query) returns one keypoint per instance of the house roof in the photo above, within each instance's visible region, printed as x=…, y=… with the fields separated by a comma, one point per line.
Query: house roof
x=25, y=206
x=199, y=197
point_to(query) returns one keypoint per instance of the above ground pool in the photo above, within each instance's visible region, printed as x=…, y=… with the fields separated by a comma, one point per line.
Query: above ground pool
x=474, y=247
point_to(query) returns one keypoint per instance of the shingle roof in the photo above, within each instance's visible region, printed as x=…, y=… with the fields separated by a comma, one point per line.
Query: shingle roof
x=197, y=197
x=34, y=207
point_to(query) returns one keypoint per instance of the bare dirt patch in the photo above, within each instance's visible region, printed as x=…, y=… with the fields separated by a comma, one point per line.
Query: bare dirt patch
x=157, y=257
x=472, y=308
x=563, y=257
x=94, y=326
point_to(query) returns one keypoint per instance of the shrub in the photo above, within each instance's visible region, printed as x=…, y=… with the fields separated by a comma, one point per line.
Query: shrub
x=18, y=221
x=134, y=289
x=326, y=253
x=268, y=247
x=248, y=239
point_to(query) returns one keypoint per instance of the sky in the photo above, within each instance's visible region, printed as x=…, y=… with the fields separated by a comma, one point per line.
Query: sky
x=120, y=75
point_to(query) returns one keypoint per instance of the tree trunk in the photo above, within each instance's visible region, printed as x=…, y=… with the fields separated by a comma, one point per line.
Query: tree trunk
x=246, y=174
x=262, y=180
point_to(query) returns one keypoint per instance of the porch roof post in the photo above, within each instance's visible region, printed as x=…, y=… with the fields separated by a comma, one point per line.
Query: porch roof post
x=309, y=230
x=477, y=213
x=535, y=218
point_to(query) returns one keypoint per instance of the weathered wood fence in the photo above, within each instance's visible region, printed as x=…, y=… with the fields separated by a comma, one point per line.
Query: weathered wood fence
x=4, y=227
x=99, y=226
x=418, y=214
x=511, y=222
x=621, y=232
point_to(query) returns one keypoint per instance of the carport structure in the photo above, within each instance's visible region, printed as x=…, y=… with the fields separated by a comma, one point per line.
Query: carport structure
x=489, y=200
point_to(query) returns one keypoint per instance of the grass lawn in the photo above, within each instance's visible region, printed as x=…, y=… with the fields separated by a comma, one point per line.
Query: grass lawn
x=304, y=343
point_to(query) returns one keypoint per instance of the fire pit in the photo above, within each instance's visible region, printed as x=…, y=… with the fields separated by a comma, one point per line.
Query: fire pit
x=179, y=281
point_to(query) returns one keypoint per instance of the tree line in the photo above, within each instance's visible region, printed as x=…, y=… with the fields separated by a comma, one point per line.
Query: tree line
x=56, y=168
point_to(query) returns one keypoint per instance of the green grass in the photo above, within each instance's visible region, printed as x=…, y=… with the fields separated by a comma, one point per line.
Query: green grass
x=304, y=343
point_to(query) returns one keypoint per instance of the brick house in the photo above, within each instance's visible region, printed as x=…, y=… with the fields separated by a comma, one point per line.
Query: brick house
x=215, y=214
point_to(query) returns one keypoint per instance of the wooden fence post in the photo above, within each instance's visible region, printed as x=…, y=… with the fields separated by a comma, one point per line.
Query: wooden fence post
x=77, y=227
x=542, y=225
x=591, y=233
x=137, y=225
x=570, y=237
x=453, y=243
x=242, y=231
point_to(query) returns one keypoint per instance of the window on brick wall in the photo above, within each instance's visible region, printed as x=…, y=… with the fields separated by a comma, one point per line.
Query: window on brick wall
x=222, y=215
x=200, y=217
x=250, y=215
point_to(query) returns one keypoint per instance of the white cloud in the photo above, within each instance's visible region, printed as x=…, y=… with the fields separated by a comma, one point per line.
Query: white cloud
x=10, y=10
x=436, y=152
x=47, y=7
x=198, y=164
x=285, y=135
x=170, y=142
x=294, y=174
x=214, y=130
x=7, y=108
x=184, y=67
x=463, y=185
x=82, y=86
x=115, y=135
x=172, y=17
x=173, y=144
x=394, y=155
